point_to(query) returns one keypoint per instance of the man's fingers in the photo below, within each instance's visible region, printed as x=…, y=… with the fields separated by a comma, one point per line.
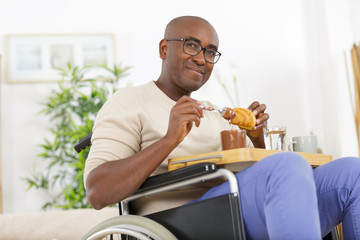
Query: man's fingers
x=188, y=106
x=262, y=117
x=259, y=109
x=253, y=105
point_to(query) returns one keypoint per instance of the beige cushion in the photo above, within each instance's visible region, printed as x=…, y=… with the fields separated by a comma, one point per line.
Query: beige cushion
x=59, y=225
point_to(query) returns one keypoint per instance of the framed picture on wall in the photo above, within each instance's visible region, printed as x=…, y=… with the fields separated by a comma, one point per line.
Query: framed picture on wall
x=36, y=57
x=1, y=209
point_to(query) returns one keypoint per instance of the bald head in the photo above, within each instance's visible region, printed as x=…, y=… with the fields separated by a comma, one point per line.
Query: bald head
x=177, y=26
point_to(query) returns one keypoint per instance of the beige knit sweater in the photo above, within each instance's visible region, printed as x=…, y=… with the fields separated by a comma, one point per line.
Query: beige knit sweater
x=134, y=118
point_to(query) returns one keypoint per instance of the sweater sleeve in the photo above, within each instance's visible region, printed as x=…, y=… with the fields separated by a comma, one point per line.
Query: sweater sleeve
x=116, y=132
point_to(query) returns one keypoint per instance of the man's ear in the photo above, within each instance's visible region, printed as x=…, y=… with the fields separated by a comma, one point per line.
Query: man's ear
x=163, y=49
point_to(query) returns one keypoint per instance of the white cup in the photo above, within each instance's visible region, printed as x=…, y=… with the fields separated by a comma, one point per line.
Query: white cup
x=304, y=144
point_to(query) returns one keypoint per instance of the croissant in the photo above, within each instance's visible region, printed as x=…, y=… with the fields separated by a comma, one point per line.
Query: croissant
x=244, y=118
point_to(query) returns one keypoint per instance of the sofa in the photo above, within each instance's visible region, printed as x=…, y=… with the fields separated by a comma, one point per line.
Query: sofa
x=53, y=225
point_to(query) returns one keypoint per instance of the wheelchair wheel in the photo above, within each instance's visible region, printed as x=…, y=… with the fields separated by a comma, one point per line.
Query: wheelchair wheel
x=136, y=227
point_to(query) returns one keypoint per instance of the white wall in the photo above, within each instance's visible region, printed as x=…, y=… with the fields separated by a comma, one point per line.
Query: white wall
x=287, y=54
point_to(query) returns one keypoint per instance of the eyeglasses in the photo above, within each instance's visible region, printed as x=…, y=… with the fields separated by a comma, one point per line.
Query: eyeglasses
x=193, y=48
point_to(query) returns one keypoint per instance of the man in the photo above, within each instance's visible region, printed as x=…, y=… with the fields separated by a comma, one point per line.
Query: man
x=139, y=128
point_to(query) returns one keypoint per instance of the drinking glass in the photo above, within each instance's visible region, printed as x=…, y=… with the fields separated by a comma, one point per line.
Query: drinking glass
x=274, y=137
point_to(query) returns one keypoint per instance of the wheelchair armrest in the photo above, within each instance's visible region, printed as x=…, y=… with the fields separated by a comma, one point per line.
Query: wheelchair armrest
x=180, y=178
x=83, y=143
x=177, y=176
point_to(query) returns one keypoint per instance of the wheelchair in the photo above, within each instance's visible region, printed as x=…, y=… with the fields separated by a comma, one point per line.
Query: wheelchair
x=216, y=218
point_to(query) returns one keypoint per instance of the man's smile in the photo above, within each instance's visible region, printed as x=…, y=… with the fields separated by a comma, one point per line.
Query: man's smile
x=195, y=70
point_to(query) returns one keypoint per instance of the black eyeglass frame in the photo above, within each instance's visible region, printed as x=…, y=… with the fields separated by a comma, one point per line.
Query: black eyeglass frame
x=201, y=49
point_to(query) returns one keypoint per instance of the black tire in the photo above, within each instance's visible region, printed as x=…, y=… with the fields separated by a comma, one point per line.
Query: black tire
x=130, y=225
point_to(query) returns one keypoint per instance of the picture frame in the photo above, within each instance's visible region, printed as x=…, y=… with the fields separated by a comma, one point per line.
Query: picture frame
x=1, y=196
x=34, y=57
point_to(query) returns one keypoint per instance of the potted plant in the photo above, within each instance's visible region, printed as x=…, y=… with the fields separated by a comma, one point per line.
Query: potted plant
x=72, y=108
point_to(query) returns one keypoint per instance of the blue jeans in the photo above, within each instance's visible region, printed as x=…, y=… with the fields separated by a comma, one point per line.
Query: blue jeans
x=282, y=197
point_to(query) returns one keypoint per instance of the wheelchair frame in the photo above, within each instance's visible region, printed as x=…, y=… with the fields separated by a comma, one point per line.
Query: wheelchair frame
x=171, y=218
x=195, y=218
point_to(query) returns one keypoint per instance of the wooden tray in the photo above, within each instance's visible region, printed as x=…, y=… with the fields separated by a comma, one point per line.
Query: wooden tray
x=239, y=158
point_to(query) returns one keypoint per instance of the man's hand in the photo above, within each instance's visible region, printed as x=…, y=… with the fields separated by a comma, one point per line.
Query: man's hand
x=256, y=135
x=183, y=115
